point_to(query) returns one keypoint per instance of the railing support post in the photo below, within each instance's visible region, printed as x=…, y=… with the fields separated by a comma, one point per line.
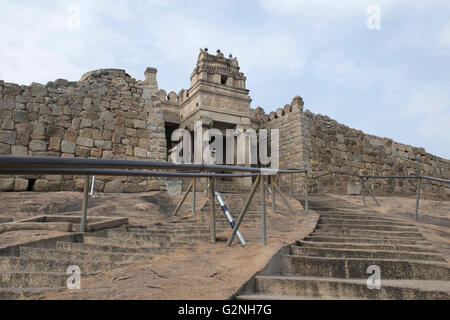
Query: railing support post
x=182, y=199
x=371, y=194
x=92, y=185
x=307, y=195
x=272, y=182
x=419, y=183
x=212, y=210
x=291, y=186
x=194, y=189
x=363, y=193
x=244, y=209
x=262, y=187
x=277, y=188
x=335, y=183
x=84, y=204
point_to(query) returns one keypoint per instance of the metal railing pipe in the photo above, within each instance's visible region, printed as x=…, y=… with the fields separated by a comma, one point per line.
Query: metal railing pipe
x=272, y=182
x=291, y=186
x=370, y=193
x=84, y=205
x=119, y=172
x=93, y=163
x=194, y=189
x=277, y=188
x=307, y=195
x=419, y=183
x=244, y=210
x=262, y=187
x=180, y=203
x=212, y=211
x=363, y=193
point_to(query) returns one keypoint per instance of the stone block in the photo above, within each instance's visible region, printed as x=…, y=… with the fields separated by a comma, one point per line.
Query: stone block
x=55, y=144
x=38, y=145
x=82, y=152
x=20, y=184
x=6, y=184
x=41, y=185
x=140, y=152
x=114, y=187
x=19, y=151
x=67, y=146
x=85, y=142
x=5, y=149
x=353, y=189
x=7, y=137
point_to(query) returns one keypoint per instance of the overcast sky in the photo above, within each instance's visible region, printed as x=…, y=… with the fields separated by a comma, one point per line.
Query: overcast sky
x=392, y=81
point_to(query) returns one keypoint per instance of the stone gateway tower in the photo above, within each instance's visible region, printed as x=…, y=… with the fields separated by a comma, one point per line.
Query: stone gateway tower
x=108, y=114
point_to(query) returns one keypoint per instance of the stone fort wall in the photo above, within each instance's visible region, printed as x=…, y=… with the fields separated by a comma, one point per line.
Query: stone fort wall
x=322, y=145
x=107, y=114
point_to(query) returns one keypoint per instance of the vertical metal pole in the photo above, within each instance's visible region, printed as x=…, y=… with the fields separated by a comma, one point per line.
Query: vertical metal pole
x=272, y=180
x=418, y=197
x=212, y=213
x=84, y=204
x=194, y=186
x=371, y=194
x=335, y=183
x=244, y=210
x=183, y=198
x=92, y=185
x=292, y=183
x=277, y=188
x=306, y=195
x=262, y=187
x=363, y=192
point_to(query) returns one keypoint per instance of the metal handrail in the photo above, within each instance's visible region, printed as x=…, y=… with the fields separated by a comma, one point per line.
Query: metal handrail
x=363, y=178
x=12, y=165
x=13, y=162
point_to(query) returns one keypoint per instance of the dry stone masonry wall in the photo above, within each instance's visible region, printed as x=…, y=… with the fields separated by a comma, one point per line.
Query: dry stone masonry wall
x=110, y=115
x=335, y=147
x=322, y=145
x=107, y=114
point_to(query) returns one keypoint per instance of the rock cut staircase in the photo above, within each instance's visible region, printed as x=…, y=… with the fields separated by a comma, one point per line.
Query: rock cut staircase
x=36, y=270
x=333, y=261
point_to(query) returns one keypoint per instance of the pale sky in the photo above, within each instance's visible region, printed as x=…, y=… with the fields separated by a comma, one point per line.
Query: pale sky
x=391, y=82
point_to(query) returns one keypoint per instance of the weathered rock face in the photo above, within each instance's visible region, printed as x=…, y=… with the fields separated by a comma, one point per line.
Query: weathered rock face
x=107, y=114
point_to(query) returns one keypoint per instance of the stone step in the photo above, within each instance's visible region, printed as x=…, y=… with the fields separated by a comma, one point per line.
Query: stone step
x=331, y=209
x=364, y=253
x=363, y=246
x=367, y=240
x=5, y=219
x=33, y=279
x=108, y=249
x=261, y=297
x=171, y=233
x=321, y=226
x=157, y=238
x=18, y=264
x=369, y=233
x=136, y=243
x=353, y=268
x=81, y=255
x=23, y=293
x=365, y=217
x=341, y=221
x=122, y=234
x=317, y=287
